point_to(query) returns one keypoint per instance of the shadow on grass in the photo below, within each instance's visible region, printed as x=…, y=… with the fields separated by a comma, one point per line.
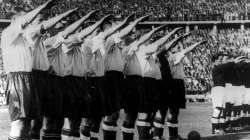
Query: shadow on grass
x=235, y=136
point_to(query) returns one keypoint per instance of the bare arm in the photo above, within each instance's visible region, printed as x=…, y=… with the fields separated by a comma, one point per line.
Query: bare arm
x=29, y=17
x=148, y=35
x=170, y=44
x=136, y=44
x=53, y=21
x=72, y=28
x=131, y=26
x=239, y=59
x=154, y=46
x=33, y=30
x=113, y=29
x=187, y=50
x=87, y=31
x=181, y=55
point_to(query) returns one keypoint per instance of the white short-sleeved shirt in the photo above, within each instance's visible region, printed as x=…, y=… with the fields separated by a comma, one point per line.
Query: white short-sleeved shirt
x=16, y=50
x=177, y=70
x=147, y=63
x=158, y=71
x=75, y=62
x=132, y=64
x=54, y=41
x=32, y=33
x=87, y=55
x=114, y=60
x=40, y=57
x=57, y=57
x=98, y=57
x=39, y=54
x=98, y=43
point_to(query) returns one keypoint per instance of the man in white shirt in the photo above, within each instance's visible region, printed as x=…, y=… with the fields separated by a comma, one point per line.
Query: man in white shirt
x=141, y=74
x=114, y=77
x=75, y=96
x=40, y=66
x=177, y=91
x=163, y=86
x=92, y=108
x=97, y=65
x=61, y=92
x=17, y=58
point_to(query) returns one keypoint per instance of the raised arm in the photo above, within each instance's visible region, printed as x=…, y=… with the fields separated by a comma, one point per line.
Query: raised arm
x=73, y=27
x=170, y=44
x=53, y=21
x=29, y=17
x=154, y=46
x=115, y=28
x=239, y=59
x=87, y=31
x=181, y=55
x=187, y=50
x=70, y=43
x=136, y=44
x=130, y=27
x=148, y=35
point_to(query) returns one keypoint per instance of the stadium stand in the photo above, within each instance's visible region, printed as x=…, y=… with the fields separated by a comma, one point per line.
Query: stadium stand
x=161, y=10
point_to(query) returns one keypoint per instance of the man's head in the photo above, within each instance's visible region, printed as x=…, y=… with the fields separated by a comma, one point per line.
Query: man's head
x=38, y=19
x=17, y=14
x=217, y=59
x=173, y=50
x=107, y=23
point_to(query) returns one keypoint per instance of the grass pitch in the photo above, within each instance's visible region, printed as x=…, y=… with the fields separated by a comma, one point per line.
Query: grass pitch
x=195, y=117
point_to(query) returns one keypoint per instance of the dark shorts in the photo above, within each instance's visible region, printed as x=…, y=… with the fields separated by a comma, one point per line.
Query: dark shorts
x=54, y=106
x=148, y=98
x=163, y=90
x=41, y=87
x=93, y=104
x=22, y=100
x=177, y=93
x=114, y=91
x=74, y=96
x=132, y=93
x=141, y=95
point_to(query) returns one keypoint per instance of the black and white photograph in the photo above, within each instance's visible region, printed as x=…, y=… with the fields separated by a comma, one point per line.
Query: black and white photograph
x=124, y=69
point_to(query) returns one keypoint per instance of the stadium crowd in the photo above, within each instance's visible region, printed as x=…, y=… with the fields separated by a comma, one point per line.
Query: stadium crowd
x=198, y=63
x=161, y=10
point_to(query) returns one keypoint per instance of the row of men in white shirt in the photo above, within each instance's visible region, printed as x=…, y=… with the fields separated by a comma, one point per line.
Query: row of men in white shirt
x=87, y=53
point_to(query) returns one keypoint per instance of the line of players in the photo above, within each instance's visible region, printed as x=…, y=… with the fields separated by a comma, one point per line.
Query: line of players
x=230, y=94
x=91, y=73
